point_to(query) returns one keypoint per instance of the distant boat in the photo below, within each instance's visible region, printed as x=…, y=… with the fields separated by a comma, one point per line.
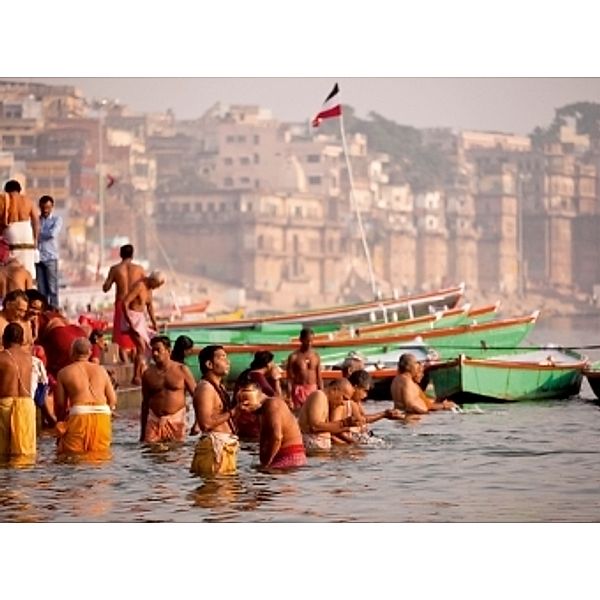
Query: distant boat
x=541, y=374
x=452, y=317
x=387, y=309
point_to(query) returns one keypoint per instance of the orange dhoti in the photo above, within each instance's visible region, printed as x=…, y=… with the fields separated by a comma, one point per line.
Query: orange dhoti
x=168, y=428
x=88, y=429
x=17, y=428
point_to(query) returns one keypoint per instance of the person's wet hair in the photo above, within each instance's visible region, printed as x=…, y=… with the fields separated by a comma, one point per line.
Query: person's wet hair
x=13, y=334
x=45, y=199
x=12, y=185
x=361, y=379
x=126, y=251
x=205, y=355
x=261, y=359
x=33, y=295
x=80, y=347
x=405, y=361
x=182, y=344
x=14, y=295
x=306, y=333
x=96, y=335
x=161, y=339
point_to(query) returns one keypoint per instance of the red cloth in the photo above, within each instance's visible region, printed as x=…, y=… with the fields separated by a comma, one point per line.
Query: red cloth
x=120, y=337
x=4, y=250
x=96, y=352
x=57, y=345
x=300, y=392
x=39, y=352
x=288, y=457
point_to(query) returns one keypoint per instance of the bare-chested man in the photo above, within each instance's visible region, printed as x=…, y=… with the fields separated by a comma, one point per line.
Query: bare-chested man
x=15, y=307
x=123, y=275
x=280, y=440
x=164, y=384
x=216, y=451
x=19, y=224
x=303, y=370
x=137, y=301
x=15, y=277
x=17, y=409
x=85, y=393
x=362, y=382
x=406, y=392
x=314, y=418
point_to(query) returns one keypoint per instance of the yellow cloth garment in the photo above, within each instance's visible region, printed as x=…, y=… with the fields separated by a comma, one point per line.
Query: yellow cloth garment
x=17, y=427
x=215, y=454
x=87, y=430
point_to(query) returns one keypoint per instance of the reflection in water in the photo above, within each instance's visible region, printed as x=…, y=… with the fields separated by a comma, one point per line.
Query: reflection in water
x=523, y=461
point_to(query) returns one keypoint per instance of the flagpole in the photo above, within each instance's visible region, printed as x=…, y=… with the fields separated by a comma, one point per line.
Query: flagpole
x=357, y=210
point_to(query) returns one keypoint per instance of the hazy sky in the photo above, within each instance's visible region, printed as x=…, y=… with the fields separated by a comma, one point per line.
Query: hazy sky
x=501, y=104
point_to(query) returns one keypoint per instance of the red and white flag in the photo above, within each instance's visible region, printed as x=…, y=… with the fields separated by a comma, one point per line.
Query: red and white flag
x=110, y=181
x=331, y=107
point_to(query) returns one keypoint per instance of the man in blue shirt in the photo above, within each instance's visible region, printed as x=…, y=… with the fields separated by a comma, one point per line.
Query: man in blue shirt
x=47, y=268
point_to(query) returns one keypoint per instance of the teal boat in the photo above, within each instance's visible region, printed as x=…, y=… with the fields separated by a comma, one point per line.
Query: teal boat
x=537, y=374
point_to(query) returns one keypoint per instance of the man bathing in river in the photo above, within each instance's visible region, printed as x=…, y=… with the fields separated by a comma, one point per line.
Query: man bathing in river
x=85, y=396
x=164, y=384
x=314, y=418
x=303, y=370
x=406, y=392
x=280, y=439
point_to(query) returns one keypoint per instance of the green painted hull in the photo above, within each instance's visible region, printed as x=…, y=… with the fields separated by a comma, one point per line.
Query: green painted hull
x=508, y=379
x=488, y=340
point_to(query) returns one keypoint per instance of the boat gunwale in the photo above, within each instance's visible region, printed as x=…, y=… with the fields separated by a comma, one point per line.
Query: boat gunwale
x=346, y=310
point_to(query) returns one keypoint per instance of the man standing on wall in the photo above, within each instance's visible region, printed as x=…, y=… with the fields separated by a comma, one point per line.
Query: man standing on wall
x=47, y=267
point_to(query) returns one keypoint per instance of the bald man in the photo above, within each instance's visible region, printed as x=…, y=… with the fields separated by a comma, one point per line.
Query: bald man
x=85, y=393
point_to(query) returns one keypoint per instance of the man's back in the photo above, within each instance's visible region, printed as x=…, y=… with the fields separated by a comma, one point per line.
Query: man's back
x=124, y=275
x=84, y=383
x=315, y=410
x=16, y=207
x=278, y=416
x=17, y=277
x=138, y=296
x=15, y=372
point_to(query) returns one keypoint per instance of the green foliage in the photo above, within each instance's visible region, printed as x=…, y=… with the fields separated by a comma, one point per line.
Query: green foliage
x=423, y=166
x=587, y=122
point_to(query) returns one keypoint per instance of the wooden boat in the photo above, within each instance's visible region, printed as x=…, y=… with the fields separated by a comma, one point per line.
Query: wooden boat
x=438, y=320
x=387, y=309
x=592, y=374
x=538, y=374
x=271, y=333
x=475, y=340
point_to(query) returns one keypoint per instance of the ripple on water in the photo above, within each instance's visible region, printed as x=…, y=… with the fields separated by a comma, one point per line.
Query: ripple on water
x=518, y=462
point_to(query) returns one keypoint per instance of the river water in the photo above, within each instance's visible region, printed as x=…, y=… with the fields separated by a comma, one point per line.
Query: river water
x=523, y=462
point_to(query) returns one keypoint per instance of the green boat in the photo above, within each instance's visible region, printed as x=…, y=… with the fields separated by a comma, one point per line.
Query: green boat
x=537, y=374
x=277, y=333
x=474, y=340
